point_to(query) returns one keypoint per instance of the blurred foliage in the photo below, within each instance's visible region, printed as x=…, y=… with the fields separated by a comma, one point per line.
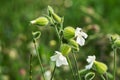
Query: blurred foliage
x=98, y=17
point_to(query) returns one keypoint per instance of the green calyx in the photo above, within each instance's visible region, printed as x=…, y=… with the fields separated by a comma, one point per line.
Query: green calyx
x=54, y=15
x=69, y=32
x=41, y=21
x=65, y=49
x=117, y=43
x=100, y=67
x=73, y=44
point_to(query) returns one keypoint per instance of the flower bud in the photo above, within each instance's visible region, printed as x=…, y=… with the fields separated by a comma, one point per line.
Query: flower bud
x=117, y=43
x=65, y=49
x=50, y=10
x=74, y=44
x=114, y=37
x=41, y=21
x=57, y=18
x=100, y=67
x=69, y=32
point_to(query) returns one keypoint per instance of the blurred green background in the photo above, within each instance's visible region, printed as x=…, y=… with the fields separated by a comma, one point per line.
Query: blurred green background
x=98, y=18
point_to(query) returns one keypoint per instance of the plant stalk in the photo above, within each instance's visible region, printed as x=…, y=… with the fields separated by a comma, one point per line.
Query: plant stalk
x=76, y=65
x=115, y=51
x=53, y=72
x=30, y=67
x=40, y=62
x=70, y=65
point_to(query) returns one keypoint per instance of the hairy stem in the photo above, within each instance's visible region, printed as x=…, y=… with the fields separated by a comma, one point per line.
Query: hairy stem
x=30, y=67
x=40, y=62
x=76, y=66
x=115, y=51
x=103, y=78
x=70, y=65
x=53, y=72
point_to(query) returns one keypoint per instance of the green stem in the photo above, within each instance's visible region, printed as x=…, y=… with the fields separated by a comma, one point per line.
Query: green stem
x=40, y=62
x=53, y=72
x=115, y=50
x=103, y=78
x=30, y=67
x=76, y=65
x=57, y=32
x=106, y=76
x=71, y=68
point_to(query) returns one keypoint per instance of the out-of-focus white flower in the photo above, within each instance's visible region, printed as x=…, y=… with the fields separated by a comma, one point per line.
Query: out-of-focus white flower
x=90, y=60
x=47, y=75
x=80, y=36
x=59, y=58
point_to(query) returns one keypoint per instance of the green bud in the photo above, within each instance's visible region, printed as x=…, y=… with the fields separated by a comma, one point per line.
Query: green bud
x=65, y=49
x=57, y=18
x=115, y=37
x=50, y=10
x=69, y=32
x=100, y=67
x=74, y=44
x=54, y=15
x=41, y=21
x=117, y=43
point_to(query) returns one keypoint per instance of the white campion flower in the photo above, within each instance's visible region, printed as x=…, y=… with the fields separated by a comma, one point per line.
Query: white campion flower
x=80, y=36
x=59, y=58
x=90, y=60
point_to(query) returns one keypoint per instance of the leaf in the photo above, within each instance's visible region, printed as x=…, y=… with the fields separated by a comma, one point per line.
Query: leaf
x=89, y=76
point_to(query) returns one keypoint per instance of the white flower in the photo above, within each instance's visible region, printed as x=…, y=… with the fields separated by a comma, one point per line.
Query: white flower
x=90, y=60
x=59, y=58
x=80, y=36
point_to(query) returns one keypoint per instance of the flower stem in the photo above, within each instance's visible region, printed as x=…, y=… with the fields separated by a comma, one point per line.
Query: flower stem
x=115, y=50
x=103, y=78
x=106, y=76
x=40, y=62
x=53, y=72
x=76, y=66
x=69, y=62
x=30, y=67
x=57, y=32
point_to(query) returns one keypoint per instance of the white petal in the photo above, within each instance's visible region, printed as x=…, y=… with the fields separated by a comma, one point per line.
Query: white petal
x=61, y=61
x=58, y=63
x=57, y=52
x=77, y=31
x=80, y=40
x=89, y=66
x=84, y=34
x=33, y=21
x=59, y=58
x=64, y=61
x=53, y=58
x=91, y=59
